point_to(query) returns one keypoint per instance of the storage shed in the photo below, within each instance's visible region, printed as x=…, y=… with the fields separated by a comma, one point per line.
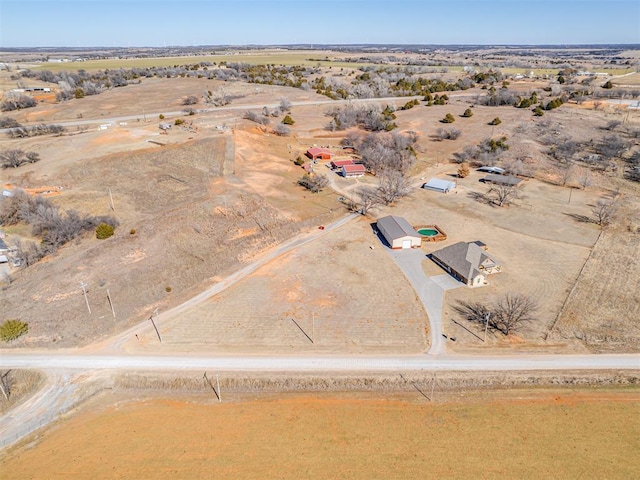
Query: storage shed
x=398, y=233
x=439, y=185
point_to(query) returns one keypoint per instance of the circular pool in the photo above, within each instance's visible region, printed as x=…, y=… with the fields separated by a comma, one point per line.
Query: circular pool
x=428, y=232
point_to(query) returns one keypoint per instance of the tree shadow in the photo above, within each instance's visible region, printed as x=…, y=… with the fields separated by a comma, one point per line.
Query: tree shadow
x=579, y=218
x=481, y=198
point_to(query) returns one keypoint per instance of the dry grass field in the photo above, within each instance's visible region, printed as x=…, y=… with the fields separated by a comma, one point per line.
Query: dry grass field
x=332, y=288
x=526, y=434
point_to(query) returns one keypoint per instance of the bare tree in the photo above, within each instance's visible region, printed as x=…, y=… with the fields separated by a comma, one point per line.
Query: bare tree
x=585, y=179
x=393, y=185
x=503, y=195
x=369, y=199
x=512, y=311
x=6, y=383
x=281, y=130
x=190, y=100
x=285, y=104
x=566, y=173
x=313, y=182
x=603, y=211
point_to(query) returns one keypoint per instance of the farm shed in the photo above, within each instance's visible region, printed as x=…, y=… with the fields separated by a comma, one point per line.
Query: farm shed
x=353, y=170
x=439, y=185
x=507, y=180
x=467, y=262
x=398, y=232
x=316, y=153
x=494, y=170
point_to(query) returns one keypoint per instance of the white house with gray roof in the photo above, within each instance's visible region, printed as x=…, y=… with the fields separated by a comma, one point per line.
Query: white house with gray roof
x=468, y=262
x=398, y=233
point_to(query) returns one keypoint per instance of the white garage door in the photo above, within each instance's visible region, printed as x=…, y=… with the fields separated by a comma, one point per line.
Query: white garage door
x=406, y=244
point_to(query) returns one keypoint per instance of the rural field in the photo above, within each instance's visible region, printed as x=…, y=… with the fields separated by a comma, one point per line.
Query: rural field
x=520, y=433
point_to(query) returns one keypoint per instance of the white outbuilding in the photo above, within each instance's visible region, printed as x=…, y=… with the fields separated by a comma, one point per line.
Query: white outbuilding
x=439, y=185
x=398, y=233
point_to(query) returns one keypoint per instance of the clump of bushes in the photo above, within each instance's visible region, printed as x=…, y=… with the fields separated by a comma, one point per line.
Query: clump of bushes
x=410, y=105
x=495, y=121
x=104, y=231
x=16, y=157
x=287, y=120
x=12, y=329
x=467, y=113
x=448, y=118
x=313, y=182
x=178, y=121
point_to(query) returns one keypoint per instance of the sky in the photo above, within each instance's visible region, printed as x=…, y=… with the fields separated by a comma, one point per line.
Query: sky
x=137, y=23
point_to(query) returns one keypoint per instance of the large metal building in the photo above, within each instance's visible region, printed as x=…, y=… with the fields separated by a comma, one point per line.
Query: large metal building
x=398, y=233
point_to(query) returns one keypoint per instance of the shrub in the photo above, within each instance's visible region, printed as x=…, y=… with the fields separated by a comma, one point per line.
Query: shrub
x=287, y=120
x=467, y=113
x=608, y=85
x=315, y=182
x=538, y=111
x=448, y=118
x=168, y=289
x=463, y=170
x=12, y=329
x=281, y=130
x=495, y=121
x=161, y=116
x=299, y=161
x=103, y=231
x=132, y=231
x=178, y=121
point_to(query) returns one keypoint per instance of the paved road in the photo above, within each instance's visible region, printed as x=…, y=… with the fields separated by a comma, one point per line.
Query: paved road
x=430, y=293
x=319, y=363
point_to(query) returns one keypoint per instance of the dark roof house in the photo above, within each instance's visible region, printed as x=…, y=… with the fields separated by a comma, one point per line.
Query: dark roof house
x=467, y=262
x=507, y=180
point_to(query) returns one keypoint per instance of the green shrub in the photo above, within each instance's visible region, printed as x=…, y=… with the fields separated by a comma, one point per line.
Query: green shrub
x=495, y=121
x=132, y=231
x=161, y=116
x=168, y=289
x=104, y=230
x=12, y=329
x=608, y=85
x=448, y=118
x=538, y=111
x=178, y=121
x=300, y=160
x=468, y=113
x=287, y=120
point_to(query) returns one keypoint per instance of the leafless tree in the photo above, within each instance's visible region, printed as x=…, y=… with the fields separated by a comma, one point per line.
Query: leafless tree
x=503, y=195
x=447, y=134
x=585, y=179
x=603, y=211
x=190, y=100
x=369, y=199
x=566, y=173
x=6, y=383
x=313, y=182
x=281, y=130
x=468, y=154
x=512, y=311
x=393, y=185
x=285, y=104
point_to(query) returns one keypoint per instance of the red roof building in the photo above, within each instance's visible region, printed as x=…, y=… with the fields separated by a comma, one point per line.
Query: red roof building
x=317, y=153
x=355, y=170
x=341, y=163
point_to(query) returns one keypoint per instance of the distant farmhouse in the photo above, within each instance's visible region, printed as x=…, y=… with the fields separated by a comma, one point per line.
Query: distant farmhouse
x=398, y=233
x=355, y=170
x=468, y=262
x=317, y=153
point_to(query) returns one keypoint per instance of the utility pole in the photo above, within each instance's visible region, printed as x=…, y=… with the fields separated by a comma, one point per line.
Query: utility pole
x=218, y=387
x=113, y=312
x=486, y=327
x=433, y=386
x=84, y=291
x=570, y=192
x=111, y=200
